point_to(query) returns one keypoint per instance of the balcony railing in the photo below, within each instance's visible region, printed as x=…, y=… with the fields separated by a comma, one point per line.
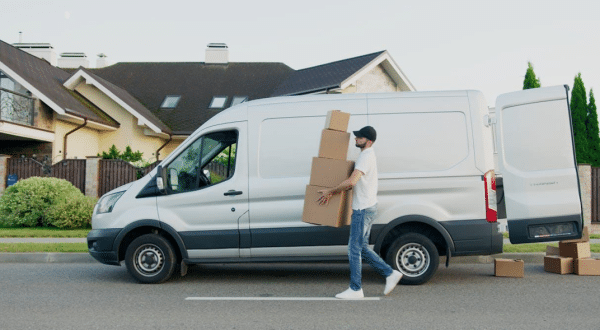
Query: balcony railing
x=16, y=107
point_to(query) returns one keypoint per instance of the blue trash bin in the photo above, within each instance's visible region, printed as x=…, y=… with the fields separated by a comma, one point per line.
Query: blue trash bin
x=11, y=179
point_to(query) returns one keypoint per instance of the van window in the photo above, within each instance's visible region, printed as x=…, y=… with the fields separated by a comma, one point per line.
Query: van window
x=420, y=142
x=214, y=154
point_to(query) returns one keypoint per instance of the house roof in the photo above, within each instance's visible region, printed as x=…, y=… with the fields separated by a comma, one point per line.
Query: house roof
x=197, y=83
x=323, y=77
x=121, y=96
x=45, y=82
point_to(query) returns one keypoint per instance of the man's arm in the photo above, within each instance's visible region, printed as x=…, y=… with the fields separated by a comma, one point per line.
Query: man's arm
x=345, y=185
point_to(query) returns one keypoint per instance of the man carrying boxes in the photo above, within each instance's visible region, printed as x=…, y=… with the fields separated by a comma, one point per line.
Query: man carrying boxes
x=363, y=182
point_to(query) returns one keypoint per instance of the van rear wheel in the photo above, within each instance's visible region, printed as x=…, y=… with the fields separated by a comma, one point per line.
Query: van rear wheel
x=150, y=259
x=415, y=256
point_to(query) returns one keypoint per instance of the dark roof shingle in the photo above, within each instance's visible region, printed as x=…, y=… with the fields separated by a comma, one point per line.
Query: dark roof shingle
x=322, y=77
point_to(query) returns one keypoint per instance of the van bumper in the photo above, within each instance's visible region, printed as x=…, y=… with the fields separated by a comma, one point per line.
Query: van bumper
x=100, y=245
x=474, y=237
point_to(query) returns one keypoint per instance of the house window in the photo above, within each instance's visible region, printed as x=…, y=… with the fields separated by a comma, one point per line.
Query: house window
x=238, y=99
x=218, y=102
x=170, y=101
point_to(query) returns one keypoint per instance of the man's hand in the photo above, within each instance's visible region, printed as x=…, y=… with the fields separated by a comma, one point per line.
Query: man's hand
x=324, y=199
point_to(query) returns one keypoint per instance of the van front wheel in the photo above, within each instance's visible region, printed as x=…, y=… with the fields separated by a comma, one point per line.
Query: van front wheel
x=150, y=259
x=415, y=256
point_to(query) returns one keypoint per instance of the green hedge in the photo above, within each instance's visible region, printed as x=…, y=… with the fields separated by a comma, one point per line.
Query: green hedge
x=45, y=202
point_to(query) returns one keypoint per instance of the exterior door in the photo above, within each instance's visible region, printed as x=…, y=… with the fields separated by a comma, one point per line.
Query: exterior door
x=207, y=192
x=537, y=162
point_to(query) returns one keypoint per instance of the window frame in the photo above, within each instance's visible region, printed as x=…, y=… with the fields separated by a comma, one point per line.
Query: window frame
x=232, y=168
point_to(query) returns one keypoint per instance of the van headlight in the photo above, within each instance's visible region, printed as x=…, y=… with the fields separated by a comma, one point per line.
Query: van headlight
x=107, y=203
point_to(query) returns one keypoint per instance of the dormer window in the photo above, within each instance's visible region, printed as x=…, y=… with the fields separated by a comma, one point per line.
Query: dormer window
x=238, y=99
x=218, y=102
x=170, y=101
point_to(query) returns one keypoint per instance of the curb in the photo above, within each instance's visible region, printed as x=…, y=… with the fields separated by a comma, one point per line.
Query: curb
x=85, y=258
x=41, y=258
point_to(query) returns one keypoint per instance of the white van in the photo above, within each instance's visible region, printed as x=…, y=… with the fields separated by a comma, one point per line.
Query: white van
x=234, y=190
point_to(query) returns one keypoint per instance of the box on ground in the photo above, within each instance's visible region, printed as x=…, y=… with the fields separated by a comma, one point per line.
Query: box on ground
x=558, y=264
x=587, y=266
x=337, y=120
x=329, y=173
x=585, y=237
x=334, y=144
x=574, y=250
x=509, y=268
x=552, y=250
x=336, y=213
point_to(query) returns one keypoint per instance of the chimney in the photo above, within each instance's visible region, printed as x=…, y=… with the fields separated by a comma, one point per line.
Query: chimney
x=101, y=61
x=40, y=50
x=217, y=53
x=73, y=60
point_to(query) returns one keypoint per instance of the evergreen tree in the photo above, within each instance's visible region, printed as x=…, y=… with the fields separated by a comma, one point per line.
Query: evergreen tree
x=593, y=132
x=531, y=81
x=579, y=116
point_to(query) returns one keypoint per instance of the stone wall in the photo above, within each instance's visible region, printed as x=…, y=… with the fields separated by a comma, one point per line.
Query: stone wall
x=585, y=183
x=375, y=81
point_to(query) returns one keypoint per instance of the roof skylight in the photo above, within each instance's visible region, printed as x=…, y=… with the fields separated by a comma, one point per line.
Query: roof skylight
x=218, y=102
x=238, y=99
x=170, y=101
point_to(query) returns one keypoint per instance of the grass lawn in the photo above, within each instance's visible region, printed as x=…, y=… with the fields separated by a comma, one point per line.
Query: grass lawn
x=43, y=232
x=538, y=247
x=43, y=247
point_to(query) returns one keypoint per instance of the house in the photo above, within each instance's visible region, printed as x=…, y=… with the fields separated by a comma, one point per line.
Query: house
x=55, y=113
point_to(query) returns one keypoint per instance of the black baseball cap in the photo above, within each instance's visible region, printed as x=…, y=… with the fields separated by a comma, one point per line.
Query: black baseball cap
x=366, y=132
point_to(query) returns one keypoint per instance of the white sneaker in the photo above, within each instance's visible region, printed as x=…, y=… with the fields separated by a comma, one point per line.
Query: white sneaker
x=350, y=294
x=391, y=282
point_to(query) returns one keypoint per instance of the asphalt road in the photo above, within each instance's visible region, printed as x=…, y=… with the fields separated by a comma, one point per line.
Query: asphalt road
x=464, y=296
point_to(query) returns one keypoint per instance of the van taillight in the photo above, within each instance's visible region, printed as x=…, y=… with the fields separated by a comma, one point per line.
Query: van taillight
x=491, y=209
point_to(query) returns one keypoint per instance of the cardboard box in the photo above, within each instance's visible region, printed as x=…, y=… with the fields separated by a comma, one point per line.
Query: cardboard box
x=574, y=250
x=509, y=268
x=585, y=237
x=558, y=264
x=587, y=266
x=336, y=213
x=337, y=120
x=334, y=144
x=552, y=250
x=329, y=173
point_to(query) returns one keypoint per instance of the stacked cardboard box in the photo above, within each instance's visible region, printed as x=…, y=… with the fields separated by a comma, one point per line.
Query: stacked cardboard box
x=509, y=267
x=572, y=256
x=328, y=170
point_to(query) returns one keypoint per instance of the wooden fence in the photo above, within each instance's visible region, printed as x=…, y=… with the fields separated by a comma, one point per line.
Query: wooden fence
x=72, y=170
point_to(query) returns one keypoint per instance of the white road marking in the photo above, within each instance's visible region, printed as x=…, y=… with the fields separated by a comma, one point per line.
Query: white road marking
x=277, y=299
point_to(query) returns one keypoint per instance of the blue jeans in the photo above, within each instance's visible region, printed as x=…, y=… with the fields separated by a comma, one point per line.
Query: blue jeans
x=358, y=247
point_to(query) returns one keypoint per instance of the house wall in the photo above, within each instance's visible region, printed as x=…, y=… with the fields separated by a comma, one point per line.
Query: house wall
x=376, y=81
x=43, y=116
x=128, y=134
x=81, y=143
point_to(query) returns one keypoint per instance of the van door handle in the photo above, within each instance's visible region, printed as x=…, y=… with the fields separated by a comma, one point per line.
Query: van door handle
x=232, y=193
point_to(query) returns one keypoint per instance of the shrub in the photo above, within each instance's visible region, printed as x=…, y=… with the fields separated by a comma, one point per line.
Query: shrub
x=28, y=202
x=74, y=212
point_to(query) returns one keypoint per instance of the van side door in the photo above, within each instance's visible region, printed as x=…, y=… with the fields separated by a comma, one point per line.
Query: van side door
x=207, y=192
x=537, y=161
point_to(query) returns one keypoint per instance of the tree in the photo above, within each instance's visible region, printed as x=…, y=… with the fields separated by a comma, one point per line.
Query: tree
x=579, y=115
x=531, y=81
x=593, y=137
x=128, y=155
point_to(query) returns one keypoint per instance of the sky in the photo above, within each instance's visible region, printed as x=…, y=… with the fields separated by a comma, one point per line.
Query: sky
x=439, y=45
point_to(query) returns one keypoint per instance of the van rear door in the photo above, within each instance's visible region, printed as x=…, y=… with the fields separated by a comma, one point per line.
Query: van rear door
x=536, y=159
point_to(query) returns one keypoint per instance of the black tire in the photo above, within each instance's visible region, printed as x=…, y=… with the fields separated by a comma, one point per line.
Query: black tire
x=150, y=259
x=415, y=256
